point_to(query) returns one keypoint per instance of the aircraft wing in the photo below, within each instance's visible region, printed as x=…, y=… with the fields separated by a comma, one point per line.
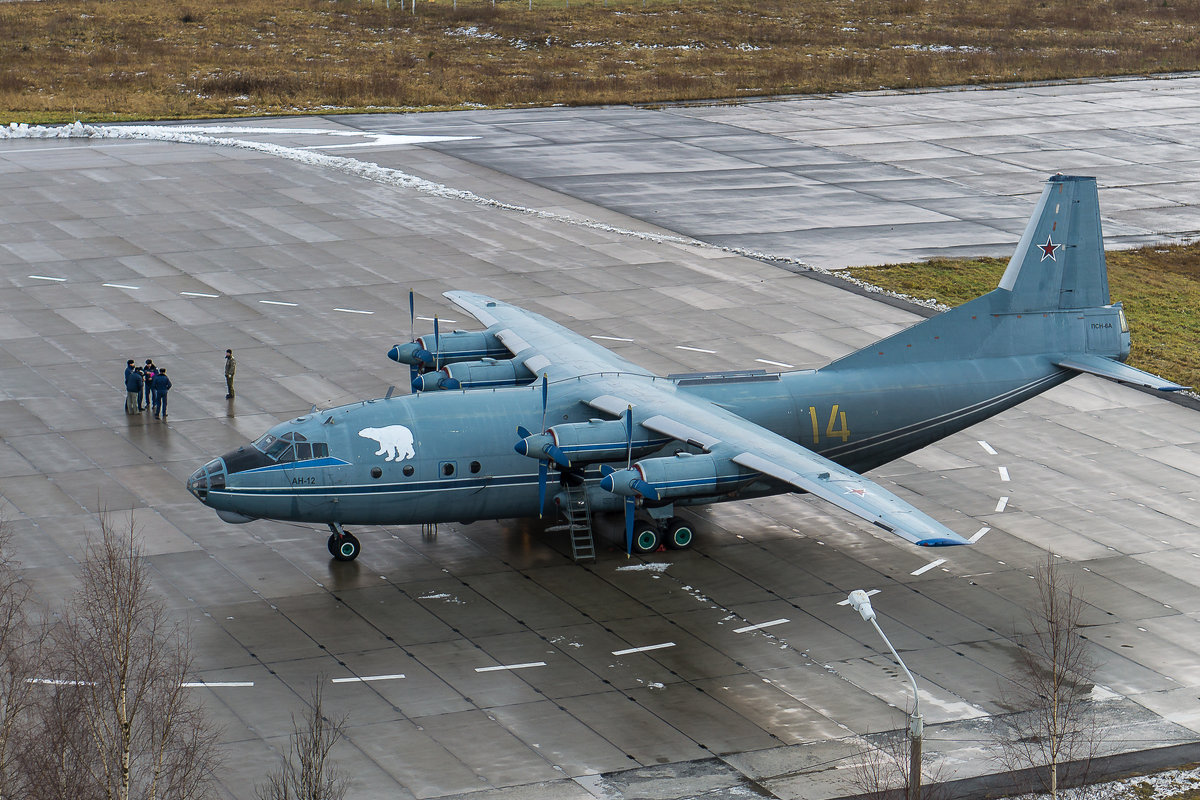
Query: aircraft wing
x=546, y=347
x=543, y=346
x=735, y=440
x=852, y=492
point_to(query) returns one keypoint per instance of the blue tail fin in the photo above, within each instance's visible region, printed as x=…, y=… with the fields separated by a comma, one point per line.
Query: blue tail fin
x=1059, y=262
x=1052, y=300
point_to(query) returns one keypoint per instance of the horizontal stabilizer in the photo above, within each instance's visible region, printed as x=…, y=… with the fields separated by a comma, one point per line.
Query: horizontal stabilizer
x=1115, y=370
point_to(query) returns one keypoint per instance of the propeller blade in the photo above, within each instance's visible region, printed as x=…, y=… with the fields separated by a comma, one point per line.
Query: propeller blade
x=543, y=472
x=523, y=432
x=437, y=345
x=628, y=437
x=545, y=396
x=412, y=317
x=646, y=490
x=413, y=371
x=629, y=503
x=556, y=453
x=606, y=470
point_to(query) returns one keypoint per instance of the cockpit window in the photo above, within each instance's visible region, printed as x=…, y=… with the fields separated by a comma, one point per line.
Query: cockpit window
x=264, y=442
x=291, y=447
x=278, y=448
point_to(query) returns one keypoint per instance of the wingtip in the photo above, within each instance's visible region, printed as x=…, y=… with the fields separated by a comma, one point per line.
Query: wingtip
x=942, y=542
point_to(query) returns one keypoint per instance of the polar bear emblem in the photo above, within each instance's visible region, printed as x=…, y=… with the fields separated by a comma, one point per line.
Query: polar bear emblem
x=394, y=440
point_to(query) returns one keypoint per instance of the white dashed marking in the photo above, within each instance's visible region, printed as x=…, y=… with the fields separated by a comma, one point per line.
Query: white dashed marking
x=760, y=626
x=642, y=649
x=511, y=666
x=927, y=567
x=367, y=678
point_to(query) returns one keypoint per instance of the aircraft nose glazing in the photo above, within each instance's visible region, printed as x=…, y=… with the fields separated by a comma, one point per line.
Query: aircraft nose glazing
x=210, y=476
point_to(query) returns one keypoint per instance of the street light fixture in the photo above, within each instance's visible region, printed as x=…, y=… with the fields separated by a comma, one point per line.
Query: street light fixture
x=860, y=601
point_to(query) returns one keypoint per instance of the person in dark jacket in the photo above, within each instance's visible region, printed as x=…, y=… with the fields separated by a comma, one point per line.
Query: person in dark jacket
x=230, y=369
x=162, y=385
x=149, y=371
x=133, y=389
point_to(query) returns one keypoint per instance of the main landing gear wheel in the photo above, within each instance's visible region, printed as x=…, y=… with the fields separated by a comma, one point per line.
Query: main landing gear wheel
x=679, y=534
x=646, y=538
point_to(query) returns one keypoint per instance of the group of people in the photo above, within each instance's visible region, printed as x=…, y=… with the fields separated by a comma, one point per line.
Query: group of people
x=146, y=387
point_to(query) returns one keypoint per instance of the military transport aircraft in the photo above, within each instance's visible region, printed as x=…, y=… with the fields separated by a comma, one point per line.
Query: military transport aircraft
x=616, y=437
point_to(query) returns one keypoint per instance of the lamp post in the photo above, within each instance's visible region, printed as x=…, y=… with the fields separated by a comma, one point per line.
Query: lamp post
x=860, y=601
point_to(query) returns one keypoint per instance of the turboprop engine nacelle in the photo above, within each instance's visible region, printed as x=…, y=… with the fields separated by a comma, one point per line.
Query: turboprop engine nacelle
x=449, y=348
x=591, y=441
x=681, y=475
x=484, y=374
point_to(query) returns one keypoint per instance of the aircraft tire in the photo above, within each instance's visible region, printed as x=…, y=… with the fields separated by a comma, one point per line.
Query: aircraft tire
x=646, y=538
x=347, y=548
x=680, y=535
x=332, y=544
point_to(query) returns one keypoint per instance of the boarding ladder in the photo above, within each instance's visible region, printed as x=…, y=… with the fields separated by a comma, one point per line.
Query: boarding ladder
x=577, y=516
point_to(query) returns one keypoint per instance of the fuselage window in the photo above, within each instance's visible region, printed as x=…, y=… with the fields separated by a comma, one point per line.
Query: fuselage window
x=475, y=467
x=320, y=450
x=303, y=451
x=408, y=470
x=448, y=468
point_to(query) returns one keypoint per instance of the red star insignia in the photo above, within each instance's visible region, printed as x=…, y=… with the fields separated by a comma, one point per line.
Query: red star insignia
x=1048, y=249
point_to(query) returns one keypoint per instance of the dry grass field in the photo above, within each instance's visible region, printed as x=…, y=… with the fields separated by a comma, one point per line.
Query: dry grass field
x=1158, y=286
x=104, y=60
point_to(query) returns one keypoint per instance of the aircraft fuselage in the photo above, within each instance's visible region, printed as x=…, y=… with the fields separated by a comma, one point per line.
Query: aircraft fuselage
x=448, y=455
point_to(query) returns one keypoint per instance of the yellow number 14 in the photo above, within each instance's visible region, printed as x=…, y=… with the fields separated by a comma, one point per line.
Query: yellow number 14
x=837, y=418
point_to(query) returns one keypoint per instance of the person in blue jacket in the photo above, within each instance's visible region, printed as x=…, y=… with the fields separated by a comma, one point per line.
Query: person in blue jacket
x=133, y=389
x=159, y=387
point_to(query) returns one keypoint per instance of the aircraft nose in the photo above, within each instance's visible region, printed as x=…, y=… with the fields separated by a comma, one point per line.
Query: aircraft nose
x=210, y=476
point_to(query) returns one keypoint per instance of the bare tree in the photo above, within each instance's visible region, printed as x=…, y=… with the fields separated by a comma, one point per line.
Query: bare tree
x=308, y=772
x=1053, y=721
x=122, y=725
x=21, y=657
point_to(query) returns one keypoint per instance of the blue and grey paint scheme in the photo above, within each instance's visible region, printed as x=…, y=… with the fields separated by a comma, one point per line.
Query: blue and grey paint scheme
x=454, y=453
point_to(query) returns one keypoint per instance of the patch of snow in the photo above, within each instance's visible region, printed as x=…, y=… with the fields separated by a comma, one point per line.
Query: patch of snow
x=660, y=567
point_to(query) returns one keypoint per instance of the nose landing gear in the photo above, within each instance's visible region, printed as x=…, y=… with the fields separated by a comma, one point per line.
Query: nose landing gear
x=342, y=544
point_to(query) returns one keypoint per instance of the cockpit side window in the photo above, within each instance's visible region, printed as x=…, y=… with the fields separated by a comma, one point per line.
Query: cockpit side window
x=264, y=442
x=277, y=448
x=290, y=447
